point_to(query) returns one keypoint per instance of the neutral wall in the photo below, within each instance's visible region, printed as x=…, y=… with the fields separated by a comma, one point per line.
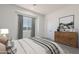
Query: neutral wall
x=52, y=21
x=9, y=19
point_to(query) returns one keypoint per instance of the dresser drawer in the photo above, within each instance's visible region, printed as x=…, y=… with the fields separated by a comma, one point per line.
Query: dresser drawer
x=67, y=38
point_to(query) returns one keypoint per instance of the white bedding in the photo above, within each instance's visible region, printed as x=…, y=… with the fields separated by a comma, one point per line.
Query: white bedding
x=27, y=46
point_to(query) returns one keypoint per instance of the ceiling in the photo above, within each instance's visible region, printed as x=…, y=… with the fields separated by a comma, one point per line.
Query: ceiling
x=42, y=8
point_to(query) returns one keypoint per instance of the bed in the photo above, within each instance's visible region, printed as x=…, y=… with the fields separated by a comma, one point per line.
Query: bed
x=38, y=45
x=34, y=46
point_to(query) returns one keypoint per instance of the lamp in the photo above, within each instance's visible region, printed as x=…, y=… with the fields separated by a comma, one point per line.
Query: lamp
x=4, y=32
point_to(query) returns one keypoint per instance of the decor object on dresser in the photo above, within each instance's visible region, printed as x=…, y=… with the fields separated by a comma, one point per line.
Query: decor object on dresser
x=66, y=23
x=67, y=38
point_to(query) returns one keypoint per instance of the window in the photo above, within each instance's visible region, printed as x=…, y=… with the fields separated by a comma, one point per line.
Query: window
x=27, y=23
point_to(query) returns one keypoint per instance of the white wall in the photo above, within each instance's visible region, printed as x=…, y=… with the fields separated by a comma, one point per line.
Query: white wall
x=52, y=21
x=9, y=19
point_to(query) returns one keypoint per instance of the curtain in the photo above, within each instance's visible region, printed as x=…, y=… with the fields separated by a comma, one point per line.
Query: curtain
x=33, y=28
x=20, y=26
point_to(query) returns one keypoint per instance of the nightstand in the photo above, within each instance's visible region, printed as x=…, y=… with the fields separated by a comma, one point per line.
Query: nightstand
x=10, y=47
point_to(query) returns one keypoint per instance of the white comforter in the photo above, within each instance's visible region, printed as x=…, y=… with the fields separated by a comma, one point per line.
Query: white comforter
x=27, y=46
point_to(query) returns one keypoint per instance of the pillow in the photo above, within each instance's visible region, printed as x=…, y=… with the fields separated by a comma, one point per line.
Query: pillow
x=3, y=40
x=2, y=49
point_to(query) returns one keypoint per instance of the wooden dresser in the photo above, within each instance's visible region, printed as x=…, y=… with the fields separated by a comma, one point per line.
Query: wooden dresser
x=67, y=38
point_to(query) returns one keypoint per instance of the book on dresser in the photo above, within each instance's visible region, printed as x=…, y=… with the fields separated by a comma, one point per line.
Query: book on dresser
x=67, y=38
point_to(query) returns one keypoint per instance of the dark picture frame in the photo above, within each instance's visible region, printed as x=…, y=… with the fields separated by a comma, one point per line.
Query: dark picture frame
x=66, y=23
